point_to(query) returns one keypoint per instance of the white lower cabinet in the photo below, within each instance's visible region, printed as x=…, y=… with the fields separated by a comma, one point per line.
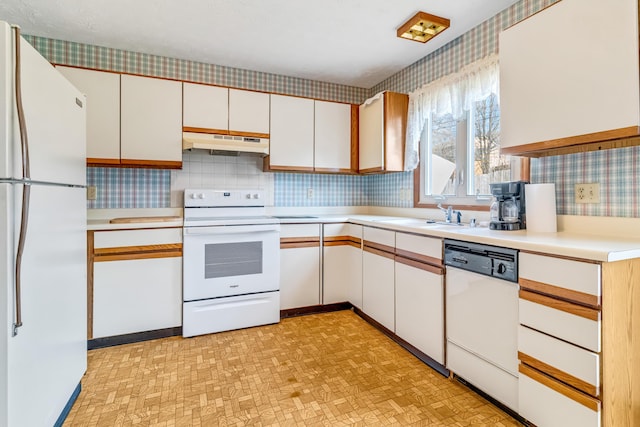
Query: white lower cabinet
x=548, y=405
x=378, y=287
x=136, y=282
x=420, y=309
x=136, y=295
x=299, y=265
x=342, y=264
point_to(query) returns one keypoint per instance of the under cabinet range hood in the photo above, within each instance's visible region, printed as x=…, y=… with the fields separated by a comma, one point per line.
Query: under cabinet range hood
x=228, y=143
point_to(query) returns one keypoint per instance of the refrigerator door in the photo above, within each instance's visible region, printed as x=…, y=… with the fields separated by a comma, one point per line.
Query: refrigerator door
x=55, y=118
x=47, y=358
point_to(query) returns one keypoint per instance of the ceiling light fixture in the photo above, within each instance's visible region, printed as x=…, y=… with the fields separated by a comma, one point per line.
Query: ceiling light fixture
x=422, y=27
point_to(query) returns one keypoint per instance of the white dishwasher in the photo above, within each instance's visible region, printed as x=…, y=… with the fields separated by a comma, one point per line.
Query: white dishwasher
x=482, y=317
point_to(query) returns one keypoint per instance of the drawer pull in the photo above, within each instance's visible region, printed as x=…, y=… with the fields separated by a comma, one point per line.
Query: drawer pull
x=562, y=293
x=558, y=374
x=578, y=310
x=581, y=398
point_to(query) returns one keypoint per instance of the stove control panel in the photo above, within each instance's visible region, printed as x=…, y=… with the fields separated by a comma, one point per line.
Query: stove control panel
x=223, y=198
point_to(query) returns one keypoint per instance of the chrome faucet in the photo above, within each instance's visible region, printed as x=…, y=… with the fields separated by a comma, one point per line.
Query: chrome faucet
x=449, y=212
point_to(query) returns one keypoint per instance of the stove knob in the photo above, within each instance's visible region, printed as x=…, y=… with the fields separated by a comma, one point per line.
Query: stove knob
x=201, y=196
x=256, y=196
x=502, y=268
x=248, y=196
x=194, y=196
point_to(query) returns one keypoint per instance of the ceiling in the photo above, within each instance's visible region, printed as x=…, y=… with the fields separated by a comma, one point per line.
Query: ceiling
x=351, y=42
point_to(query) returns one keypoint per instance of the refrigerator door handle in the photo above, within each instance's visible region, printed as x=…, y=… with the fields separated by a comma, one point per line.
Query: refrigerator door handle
x=26, y=192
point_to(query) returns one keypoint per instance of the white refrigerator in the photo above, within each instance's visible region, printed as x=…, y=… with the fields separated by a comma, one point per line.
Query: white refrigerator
x=43, y=275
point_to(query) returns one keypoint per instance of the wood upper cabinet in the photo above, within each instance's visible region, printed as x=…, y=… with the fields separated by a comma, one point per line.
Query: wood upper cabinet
x=205, y=108
x=383, y=126
x=103, y=112
x=151, y=122
x=334, y=143
x=248, y=113
x=569, y=78
x=292, y=133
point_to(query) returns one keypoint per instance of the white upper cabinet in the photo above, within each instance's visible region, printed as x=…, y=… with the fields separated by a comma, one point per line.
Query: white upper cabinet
x=151, y=121
x=291, y=143
x=570, y=75
x=248, y=113
x=103, y=112
x=332, y=149
x=383, y=124
x=205, y=107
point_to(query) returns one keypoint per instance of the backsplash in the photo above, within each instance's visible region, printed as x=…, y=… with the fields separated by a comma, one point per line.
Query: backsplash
x=617, y=171
x=293, y=189
x=129, y=188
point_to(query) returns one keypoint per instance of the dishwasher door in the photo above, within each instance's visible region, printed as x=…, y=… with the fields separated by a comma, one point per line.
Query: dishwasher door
x=482, y=317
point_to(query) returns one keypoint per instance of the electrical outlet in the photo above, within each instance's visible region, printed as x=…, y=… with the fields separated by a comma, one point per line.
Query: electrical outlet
x=587, y=193
x=309, y=193
x=402, y=195
x=92, y=192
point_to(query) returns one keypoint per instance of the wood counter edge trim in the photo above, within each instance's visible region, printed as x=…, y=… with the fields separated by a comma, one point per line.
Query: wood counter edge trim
x=574, y=142
x=564, y=294
x=558, y=374
x=567, y=307
x=419, y=257
x=565, y=390
x=303, y=239
x=293, y=245
x=167, y=247
x=420, y=265
x=375, y=251
x=90, y=244
x=138, y=255
x=379, y=246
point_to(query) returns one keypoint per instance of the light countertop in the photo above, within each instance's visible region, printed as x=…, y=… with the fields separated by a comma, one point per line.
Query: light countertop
x=570, y=243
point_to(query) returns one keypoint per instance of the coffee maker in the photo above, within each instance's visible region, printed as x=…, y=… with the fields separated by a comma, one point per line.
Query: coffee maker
x=508, y=210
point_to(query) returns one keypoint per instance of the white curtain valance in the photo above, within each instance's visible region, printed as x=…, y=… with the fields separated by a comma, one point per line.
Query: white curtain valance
x=453, y=94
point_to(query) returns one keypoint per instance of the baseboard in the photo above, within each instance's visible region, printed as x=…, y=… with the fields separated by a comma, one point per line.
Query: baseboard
x=133, y=338
x=402, y=343
x=314, y=309
x=67, y=408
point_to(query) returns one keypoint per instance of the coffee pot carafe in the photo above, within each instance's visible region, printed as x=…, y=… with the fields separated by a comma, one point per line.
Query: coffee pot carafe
x=508, y=210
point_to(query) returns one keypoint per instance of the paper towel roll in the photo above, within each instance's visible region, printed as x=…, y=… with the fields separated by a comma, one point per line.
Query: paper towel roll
x=540, y=202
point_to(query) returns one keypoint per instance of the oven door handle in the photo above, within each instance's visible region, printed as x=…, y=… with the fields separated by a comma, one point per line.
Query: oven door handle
x=231, y=229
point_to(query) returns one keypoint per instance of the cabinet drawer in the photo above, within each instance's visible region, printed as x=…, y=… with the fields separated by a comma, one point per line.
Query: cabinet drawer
x=426, y=249
x=549, y=403
x=343, y=229
x=572, y=365
x=308, y=232
x=381, y=237
x=554, y=318
x=567, y=279
x=158, y=236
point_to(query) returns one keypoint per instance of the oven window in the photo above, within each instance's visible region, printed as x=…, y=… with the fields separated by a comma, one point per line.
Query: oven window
x=232, y=259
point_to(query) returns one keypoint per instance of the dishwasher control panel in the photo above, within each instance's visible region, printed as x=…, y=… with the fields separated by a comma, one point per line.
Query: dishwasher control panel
x=494, y=261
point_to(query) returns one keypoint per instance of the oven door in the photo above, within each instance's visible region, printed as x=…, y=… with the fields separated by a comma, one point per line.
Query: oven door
x=223, y=261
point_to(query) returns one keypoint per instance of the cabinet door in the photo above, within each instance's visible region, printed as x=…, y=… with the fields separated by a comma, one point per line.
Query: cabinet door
x=332, y=150
x=578, y=76
x=299, y=277
x=136, y=295
x=103, y=112
x=378, y=290
x=342, y=274
x=371, y=142
x=205, y=107
x=248, y=113
x=291, y=140
x=151, y=117
x=420, y=309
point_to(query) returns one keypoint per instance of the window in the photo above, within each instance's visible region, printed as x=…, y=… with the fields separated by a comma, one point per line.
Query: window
x=460, y=158
x=453, y=137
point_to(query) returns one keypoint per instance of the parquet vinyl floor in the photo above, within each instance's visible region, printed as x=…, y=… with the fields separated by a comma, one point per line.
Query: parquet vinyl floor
x=331, y=369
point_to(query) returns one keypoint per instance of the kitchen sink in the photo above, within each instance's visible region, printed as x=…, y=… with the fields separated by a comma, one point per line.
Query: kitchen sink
x=419, y=222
